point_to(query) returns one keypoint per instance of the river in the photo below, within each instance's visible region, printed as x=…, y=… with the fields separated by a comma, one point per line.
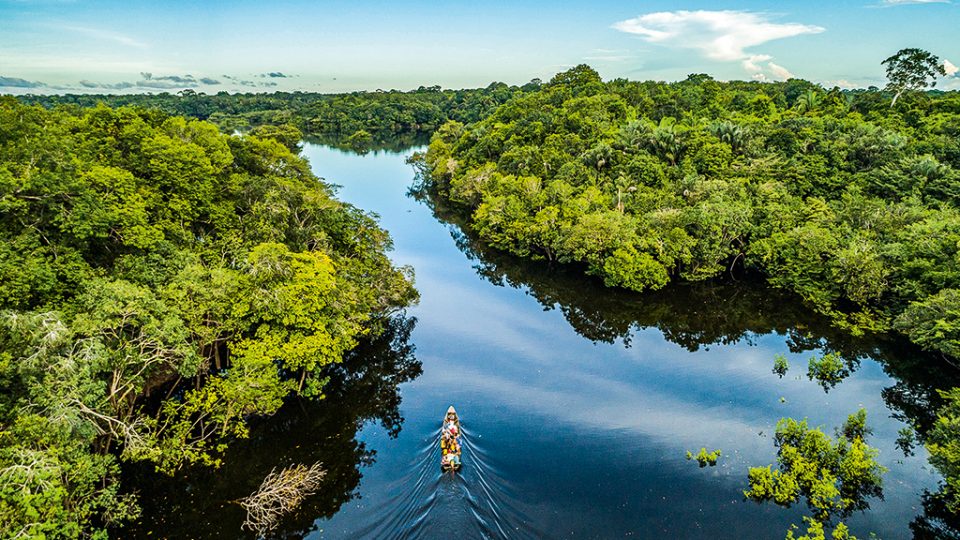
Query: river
x=578, y=403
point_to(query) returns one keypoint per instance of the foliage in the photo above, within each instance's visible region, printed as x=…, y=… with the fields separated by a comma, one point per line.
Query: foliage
x=943, y=443
x=285, y=134
x=834, y=477
x=162, y=285
x=382, y=114
x=363, y=389
x=912, y=69
x=828, y=370
x=934, y=322
x=780, y=365
x=815, y=531
x=906, y=440
x=705, y=458
x=359, y=141
x=830, y=194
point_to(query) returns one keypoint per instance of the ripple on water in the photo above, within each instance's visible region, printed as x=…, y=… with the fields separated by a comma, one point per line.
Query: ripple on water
x=477, y=502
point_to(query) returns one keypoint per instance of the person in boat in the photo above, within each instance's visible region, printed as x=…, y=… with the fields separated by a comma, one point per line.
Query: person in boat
x=446, y=442
x=449, y=441
x=451, y=423
x=450, y=450
x=454, y=455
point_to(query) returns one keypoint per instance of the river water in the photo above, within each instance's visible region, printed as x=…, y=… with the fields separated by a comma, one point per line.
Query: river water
x=578, y=404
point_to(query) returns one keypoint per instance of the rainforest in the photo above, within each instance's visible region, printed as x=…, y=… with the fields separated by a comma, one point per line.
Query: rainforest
x=201, y=305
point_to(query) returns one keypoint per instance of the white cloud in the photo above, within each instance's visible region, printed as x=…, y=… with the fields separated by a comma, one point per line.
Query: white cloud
x=841, y=83
x=950, y=68
x=779, y=71
x=719, y=35
x=608, y=55
x=752, y=62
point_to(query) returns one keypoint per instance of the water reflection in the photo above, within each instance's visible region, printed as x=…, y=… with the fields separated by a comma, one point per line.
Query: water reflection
x=698, y=316
x=378, y=143
x=579, y=403
x=201, y=502
x=936, y=522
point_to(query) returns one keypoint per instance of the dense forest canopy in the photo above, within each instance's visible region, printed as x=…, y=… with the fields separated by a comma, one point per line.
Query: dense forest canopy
x=160, y=284
x=380, y=114
x=162, y=281
x=836, y=195
x=850, y=199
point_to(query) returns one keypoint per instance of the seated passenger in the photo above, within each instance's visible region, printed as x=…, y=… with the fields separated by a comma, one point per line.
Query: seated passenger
x=455, y=454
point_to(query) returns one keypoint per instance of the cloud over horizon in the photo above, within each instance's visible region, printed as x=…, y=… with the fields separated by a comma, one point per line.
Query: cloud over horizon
x=16, y=82
x=723, y=36
x=950, y=68
x=148, y=81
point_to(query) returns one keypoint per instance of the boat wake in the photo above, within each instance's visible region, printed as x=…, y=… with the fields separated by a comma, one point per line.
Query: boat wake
x=475, y=502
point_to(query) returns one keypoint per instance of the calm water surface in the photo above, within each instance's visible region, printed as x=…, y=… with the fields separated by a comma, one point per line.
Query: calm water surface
x=578, y=404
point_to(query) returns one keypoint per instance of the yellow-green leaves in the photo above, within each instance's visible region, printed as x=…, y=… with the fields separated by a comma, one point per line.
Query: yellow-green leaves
x=834, y=476
x=632, y=270
x=167, y=284
x=943, y=443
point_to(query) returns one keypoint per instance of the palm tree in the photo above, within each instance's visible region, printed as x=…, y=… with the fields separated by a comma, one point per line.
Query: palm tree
x=666, y=140
x=808, y=101
x=598, y=157
x=730, y=133
x=624, y=186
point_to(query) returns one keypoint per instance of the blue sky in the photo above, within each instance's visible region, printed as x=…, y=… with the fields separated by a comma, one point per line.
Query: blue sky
x=317, y=45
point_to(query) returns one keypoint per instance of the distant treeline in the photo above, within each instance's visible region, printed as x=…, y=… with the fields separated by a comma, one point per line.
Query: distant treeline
x=380, y=114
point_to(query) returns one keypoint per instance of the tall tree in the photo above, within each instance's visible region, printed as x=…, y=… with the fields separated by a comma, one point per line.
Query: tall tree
x=912, y=69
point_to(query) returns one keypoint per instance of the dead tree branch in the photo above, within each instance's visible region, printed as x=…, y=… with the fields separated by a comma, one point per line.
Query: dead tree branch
x=279, y=494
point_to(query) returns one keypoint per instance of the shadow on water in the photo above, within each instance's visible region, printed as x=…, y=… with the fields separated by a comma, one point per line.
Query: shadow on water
x=393, y=143
x=495, y=494
x=697, y=316
x=200, y=502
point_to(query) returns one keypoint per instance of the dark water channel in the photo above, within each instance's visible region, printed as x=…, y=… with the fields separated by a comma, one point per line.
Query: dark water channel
x=578, y=404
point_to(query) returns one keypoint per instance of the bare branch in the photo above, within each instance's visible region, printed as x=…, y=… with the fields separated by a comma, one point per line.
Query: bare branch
x=279, y=494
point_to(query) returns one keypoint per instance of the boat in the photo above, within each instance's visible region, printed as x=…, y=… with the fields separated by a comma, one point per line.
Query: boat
x=444, y=464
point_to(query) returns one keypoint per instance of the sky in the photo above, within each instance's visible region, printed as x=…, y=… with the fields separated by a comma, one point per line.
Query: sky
x=133, y=46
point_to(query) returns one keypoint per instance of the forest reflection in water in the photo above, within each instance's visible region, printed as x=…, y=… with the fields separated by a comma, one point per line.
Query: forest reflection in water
x=202, y=502
x=378, y=143
x=378, y=485
x=699, y=315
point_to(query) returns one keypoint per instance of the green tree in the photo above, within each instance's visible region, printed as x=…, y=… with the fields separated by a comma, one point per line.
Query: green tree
x=912, y=69
x=943, y=443
x=168, y=283
x=834, y=477
x=808, y=101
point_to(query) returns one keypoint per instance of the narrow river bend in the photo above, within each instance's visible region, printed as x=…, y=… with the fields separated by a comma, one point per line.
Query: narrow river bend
x=579, y=404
